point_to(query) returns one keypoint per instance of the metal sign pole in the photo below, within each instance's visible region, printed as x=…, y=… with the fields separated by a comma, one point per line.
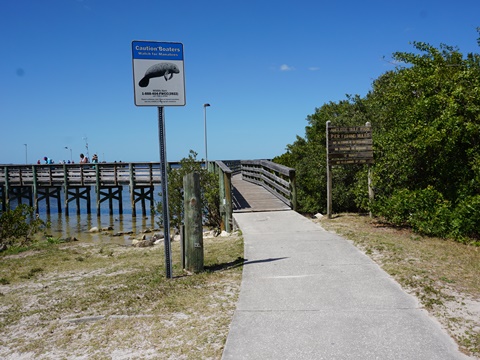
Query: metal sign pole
x=164, y=181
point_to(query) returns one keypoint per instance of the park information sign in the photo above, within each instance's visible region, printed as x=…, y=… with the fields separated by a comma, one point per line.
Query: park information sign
x=158, y=73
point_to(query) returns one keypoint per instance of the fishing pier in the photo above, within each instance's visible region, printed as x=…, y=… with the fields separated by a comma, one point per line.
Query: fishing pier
x=244, y=186
x=34, y=183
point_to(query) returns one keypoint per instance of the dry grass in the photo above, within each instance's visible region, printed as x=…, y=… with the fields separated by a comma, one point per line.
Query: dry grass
x=443, y=274
x=80, y=301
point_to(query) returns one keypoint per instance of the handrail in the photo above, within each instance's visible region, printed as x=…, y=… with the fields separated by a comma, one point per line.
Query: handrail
x=109, y=174
x=276, y=178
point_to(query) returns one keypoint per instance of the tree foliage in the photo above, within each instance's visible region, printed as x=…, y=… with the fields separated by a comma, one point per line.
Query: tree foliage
x=425, y=117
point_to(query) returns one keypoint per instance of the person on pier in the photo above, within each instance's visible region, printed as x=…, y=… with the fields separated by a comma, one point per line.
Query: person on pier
x=83, y=159
x=47, y=160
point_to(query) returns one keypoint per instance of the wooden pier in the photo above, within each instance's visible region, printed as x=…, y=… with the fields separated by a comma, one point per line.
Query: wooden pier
x=35, y=183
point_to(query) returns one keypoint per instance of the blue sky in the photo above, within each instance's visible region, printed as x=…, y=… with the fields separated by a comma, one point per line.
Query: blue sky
x=66, y=70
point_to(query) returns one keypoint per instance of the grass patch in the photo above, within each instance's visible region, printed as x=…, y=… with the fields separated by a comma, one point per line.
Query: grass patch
x=110, y=301
x=443, y=274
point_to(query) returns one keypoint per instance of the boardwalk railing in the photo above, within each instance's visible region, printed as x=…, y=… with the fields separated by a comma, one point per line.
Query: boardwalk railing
x=44, y=182
x=276, y=178
x=111, y=174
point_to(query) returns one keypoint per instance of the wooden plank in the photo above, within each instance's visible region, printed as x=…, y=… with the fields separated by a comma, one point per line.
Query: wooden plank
x=249, y=197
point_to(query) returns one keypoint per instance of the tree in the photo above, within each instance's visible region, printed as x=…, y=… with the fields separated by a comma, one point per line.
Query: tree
x=426, y=122
x=425, y=117
x=308, y=157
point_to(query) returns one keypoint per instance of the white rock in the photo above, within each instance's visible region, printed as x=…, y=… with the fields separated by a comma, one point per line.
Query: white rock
x=318, y=215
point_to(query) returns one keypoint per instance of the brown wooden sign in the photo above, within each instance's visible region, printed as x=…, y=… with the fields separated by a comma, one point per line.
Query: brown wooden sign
x=349, y=145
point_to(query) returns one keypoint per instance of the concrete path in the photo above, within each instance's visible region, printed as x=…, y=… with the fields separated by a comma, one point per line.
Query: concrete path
x=309, y=294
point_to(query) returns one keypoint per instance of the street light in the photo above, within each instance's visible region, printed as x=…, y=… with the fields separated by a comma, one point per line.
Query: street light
x=26, y=158
x=86, y=146
x=205, y=127
x=71, y=157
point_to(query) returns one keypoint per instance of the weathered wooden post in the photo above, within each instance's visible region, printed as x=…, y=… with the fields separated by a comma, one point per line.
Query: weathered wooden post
x=371, y=194
x=193, y=223
x=97, y=188
x=35, y=190
x=225, y=189
x=293, y=189
x=329, y=176
x=6, y=190
x=227, y=176
x=132, y=190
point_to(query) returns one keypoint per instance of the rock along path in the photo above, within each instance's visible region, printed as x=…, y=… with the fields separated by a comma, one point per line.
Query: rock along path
x=309, y=294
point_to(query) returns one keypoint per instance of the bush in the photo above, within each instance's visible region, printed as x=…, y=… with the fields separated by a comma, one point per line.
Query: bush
x=209, y=188
x=18, y=226
x=466, y=219
x=425, y=210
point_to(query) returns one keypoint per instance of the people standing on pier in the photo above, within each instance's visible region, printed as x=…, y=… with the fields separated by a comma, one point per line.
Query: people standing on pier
x=47, y=160
x=95, y=158
x=83, y=159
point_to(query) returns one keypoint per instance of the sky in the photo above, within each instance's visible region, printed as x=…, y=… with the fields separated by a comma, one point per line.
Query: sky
x=66, y=73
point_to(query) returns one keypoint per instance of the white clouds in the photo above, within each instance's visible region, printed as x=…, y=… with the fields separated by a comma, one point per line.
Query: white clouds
x=285, y=67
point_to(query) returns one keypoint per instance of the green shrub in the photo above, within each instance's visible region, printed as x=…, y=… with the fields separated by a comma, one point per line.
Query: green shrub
x=18, y=226
x=209, y=185
x=425, y=210
x=466, y=219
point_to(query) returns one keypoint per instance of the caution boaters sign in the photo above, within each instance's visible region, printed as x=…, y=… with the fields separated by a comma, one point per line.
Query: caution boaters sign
x=158, y=73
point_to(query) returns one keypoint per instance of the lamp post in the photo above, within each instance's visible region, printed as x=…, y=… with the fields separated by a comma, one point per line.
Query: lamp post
x=71, y=157
x=86, y=146
x=205, y=128
x=26, y=157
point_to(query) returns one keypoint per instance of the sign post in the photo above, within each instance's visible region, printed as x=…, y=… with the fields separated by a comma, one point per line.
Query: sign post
x=159, y=80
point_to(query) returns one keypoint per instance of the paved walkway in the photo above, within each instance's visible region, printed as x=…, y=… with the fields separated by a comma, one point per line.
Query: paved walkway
x=309, y=294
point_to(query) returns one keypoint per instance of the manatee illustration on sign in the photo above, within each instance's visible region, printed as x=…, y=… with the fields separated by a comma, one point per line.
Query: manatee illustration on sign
x=161, y=69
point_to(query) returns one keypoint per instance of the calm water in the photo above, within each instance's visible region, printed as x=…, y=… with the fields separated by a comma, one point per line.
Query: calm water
x=79, y=225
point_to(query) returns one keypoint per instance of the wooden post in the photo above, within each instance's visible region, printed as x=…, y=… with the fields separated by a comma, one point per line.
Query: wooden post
x=329, y=180
x=293, y=190
x=182, y=244
x=228, y=201
x=132, y=191
x=97, y=188
x=371, y=194
x=7, y=190
x=193, y=223
x=65, y=189
x=35, y=189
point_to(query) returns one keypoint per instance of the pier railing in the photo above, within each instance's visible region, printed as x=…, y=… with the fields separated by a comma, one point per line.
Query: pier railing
x=276, y=178
x=113, y=174
x=43, y=182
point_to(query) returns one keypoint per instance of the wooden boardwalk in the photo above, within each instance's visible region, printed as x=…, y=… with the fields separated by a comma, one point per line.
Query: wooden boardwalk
x=248, y=197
